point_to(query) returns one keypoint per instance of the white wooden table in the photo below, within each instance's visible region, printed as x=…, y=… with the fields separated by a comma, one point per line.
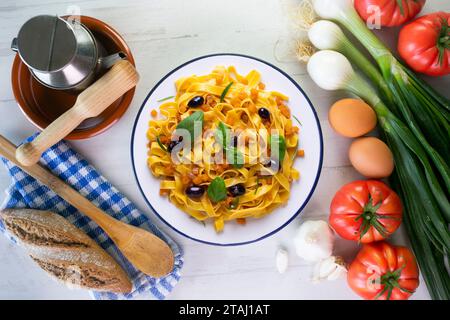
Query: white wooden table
x=162, y=35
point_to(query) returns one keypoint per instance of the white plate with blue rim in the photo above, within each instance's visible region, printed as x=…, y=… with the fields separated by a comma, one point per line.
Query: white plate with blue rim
x=309, y=166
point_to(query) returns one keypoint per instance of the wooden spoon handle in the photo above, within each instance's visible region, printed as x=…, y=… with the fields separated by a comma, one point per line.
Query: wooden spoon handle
x=90, y=103
x=144, y=250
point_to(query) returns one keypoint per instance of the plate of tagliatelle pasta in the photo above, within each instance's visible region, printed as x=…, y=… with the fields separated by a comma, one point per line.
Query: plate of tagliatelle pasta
x=227, y=149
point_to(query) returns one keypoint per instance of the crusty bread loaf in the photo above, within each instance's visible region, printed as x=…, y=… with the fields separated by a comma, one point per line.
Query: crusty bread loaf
x=64, y=251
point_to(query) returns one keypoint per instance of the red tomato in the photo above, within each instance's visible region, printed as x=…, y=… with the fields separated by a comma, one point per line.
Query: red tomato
x=393, y=12
x=425, y=44
x=385, y=272
x=365, y=211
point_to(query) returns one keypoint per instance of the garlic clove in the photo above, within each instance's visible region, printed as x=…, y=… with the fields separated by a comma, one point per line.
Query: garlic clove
x=327, y=266
x=282, y=260
x=340, y=271
x=331, y=268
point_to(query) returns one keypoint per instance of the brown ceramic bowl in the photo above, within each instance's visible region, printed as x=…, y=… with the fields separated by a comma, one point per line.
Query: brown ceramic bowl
x=42, y=105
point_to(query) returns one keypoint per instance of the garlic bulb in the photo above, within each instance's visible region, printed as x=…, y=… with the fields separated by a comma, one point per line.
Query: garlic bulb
x=331, y=268
x=314, y=240
x=282, y=260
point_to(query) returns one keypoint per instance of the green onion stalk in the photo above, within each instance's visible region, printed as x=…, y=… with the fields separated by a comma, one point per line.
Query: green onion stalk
x=424, y=110
x=418, y=184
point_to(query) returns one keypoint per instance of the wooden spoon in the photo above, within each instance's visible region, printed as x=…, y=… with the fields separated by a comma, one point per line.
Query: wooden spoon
x=144, y=250
x=90, y=103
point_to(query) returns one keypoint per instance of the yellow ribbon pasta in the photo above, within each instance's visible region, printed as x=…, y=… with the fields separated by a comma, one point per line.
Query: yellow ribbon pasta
x=234, y=100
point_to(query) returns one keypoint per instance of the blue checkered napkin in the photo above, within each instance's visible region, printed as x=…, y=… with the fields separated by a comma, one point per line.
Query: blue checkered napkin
x=26, y=192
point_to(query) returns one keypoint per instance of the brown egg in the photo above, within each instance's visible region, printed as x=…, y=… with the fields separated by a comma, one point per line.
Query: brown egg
x=352, y=118
x=371, y=157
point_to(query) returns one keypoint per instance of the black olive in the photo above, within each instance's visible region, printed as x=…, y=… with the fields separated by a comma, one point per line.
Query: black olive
x=174, y=143
x=235, y=141
x=237, y=190
x=171, y=145
x=194, y=191
x=264, y=113
x=197, y=101
x=274, y=164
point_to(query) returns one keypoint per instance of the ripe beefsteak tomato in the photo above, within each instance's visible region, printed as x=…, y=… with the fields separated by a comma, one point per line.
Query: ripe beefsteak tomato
x=385, y=272
x=393, y=12
x=424, y=44
x=365, y=211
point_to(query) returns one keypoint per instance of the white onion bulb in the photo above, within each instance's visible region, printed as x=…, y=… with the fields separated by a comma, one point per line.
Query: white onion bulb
x=326, y=35
x=330, y=70
x=332, y=9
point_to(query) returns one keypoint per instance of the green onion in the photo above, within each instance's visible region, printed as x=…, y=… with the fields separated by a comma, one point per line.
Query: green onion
x=422, y=108
x=162, y=146
x=294, y=155
x=225, y=91
x=200, y=221
x=258, y=181
x=296, y=119
x=258, y=184
x=234, y=204
x=327, y=35
x=165, y=99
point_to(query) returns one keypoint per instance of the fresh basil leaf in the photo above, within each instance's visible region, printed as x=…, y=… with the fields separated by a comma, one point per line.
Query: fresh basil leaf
x=217, y=191
x=225, y=91
x=275, y=141
x=235, y=157
x=190, y=124
x=161, y=145
x=223, y=135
